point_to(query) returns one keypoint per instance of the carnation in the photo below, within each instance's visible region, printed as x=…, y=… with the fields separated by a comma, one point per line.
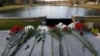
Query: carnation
x=71, y=26
x=28, y=27
x=42, y=27
x=15, y=29
x=61, y=26
x=78, y=26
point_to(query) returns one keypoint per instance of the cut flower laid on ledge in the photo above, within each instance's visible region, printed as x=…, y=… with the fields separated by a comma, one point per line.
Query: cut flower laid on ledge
x=95, y=31
x=43, y=27
x=71, y=26
x=79, y=26
x=15, y=29
x=60, y=26
x=28, y=27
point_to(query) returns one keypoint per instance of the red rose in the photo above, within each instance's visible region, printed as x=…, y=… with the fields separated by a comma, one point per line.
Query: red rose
x=79, y=26
x=15, y=29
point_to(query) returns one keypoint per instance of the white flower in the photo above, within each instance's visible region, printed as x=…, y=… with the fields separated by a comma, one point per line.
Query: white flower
x=40, y=27
x=64, y=26
x=71, y=26
x=28, y=27
x=61, y=26
x=89, y=25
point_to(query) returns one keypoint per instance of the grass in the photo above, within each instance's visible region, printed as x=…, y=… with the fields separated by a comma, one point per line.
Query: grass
x=86, y=6
x=10, y=7
x=8, y=24
x=93, y=20
x=91, y=6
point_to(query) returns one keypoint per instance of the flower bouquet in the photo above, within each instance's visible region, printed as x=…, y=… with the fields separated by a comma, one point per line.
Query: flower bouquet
x=58, y=32
x=95, y=31
x=79, y=27
x=15, y=29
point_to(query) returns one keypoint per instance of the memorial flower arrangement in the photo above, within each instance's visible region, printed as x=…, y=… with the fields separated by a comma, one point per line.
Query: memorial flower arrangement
x=29, y=31
x=57, y=32
x=71, y=26
x=40, y=36
x=61, y=26
x=43, y=27
x=95, y=31
x=15, y=29
x=58, y=29
x=88, y=26
x=28, y=27
x=79, y=27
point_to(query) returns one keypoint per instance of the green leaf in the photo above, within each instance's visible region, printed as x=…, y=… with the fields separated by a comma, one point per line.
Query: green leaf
x=39, y=39
x=38, y=35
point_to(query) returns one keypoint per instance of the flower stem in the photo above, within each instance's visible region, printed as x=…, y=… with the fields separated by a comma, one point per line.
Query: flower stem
x=87, y=44
x=43, y=40
x=52, y=46
x=67, y=47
